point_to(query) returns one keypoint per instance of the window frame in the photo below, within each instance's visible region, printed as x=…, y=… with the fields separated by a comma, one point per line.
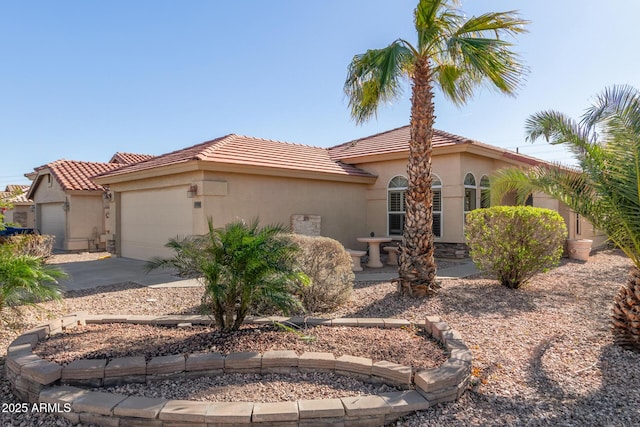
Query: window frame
x=485, y=187
x=396, y=189
x=473, y=199
x=402, y=190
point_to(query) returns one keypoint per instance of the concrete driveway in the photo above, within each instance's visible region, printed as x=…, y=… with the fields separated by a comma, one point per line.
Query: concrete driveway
x=110, y=271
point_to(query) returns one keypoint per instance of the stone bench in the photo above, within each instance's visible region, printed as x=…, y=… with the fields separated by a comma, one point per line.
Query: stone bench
x=356, y=258
x=35, y=380
x=392, y=259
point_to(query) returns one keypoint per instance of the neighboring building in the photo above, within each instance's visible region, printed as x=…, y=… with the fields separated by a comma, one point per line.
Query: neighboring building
x=346, y=192
x=70, y=205
x=22, y=212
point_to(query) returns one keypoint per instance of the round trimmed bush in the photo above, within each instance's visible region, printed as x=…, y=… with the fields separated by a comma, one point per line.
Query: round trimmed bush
x=329, y=268
x=513, y=243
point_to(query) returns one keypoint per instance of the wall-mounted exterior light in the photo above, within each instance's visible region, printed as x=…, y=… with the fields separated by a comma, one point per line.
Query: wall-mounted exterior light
x=192, y=191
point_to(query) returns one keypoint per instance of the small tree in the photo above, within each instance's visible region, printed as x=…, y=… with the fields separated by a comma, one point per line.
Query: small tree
x=26, y=279
x=514, y=243
x=239, y=264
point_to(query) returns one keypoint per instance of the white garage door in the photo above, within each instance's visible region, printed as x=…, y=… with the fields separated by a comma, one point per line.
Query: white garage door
x=52, y=222
x=150, y=218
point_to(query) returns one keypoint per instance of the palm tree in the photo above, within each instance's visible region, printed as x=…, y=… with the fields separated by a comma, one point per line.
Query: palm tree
x=26, y=279
x=605, y=188
x=457, y=55
x=240, y=264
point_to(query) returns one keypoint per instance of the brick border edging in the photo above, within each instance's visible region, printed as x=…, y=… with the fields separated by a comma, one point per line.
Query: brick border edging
x=36, y=380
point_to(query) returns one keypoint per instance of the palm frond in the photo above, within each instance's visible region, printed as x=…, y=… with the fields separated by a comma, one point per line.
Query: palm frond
x=375, y=77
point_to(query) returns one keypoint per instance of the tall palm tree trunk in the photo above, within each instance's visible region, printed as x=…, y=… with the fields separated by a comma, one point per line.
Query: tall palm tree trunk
x=626, y=313
x=417, y=268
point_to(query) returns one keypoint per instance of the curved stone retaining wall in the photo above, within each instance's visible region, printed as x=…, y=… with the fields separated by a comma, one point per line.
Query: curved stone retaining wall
x=39, y=381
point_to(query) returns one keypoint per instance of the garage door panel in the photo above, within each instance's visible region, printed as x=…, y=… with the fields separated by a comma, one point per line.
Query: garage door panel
x=150, y=218
x=52, y=222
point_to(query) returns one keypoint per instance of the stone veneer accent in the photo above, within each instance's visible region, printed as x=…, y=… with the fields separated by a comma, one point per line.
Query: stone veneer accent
x=38, y=381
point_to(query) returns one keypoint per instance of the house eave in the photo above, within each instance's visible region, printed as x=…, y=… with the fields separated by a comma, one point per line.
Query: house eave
x=202, y=165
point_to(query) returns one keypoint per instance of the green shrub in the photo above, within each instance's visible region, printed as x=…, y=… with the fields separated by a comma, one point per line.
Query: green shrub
x=37, y=245
x=329, y=268
x=240, y=265
x=26, y=279
x=513, y=243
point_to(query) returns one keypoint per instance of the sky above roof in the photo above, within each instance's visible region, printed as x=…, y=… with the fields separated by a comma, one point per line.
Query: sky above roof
x=82, y=80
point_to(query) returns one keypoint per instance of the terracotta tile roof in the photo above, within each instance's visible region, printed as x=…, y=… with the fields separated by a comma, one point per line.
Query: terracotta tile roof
x=250, y=151
x=129, y=158
x=15, y=193
x=397, y=141
x=392, y=141
x=76, y=175
x=12, y=188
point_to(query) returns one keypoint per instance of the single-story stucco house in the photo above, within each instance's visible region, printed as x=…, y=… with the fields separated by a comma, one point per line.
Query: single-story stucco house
x=22, y=211
x=69, y=205
x=344, y=192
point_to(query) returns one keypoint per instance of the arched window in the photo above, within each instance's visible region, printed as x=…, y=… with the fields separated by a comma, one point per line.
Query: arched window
x=469, y=193
x=485, y=192
x=436, y=185
x=396, y=204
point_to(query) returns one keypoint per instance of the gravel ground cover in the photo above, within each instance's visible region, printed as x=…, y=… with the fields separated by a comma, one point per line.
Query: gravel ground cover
x=543, y=355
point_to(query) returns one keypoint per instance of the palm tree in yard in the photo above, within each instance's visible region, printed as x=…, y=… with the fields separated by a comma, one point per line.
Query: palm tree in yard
x=457, y=55
x=604, y=189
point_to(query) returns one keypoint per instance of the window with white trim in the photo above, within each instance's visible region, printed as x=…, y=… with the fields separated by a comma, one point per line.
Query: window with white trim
x=396, y=203
x=396, y=193
x=436, y=186
x=485, y=192
x=470, y=191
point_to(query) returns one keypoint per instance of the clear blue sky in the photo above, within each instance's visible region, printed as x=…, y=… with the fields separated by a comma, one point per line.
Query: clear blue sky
x=83, y=79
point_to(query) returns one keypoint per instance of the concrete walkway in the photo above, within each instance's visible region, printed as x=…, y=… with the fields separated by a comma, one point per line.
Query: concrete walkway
x=464, y=268
x=110, y=271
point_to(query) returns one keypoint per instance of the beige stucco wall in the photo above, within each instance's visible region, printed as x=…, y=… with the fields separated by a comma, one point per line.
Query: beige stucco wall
x=228, y=196
x=21, y=211
x=85, y=221
x=451, y=169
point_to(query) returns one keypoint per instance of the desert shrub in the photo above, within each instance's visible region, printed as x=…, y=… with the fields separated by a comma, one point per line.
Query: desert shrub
x=513, y=243
x=26, y=279
x=329, y=268
x=240, y=264
x=37, y=245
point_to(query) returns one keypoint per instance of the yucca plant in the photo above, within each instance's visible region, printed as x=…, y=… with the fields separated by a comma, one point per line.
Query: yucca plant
x=240, y=264
x=26, y=279
x=605, y=188
x=456, y=54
